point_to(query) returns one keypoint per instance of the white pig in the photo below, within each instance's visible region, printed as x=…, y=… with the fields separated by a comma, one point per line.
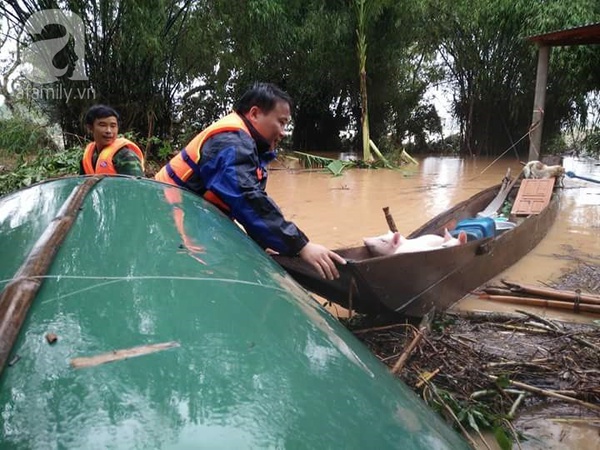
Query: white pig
x=391, y=243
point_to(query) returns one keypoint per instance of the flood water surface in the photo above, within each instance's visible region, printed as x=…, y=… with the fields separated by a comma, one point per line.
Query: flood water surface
x=339, y=211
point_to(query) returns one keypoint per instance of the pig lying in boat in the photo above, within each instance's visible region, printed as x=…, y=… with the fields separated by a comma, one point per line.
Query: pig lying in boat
x=392, y=243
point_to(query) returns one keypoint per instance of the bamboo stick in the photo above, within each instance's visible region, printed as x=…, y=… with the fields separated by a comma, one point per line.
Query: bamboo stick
x=553, y=293
x=541, y=320
x=554, y=304
x=384, y=327
x=513, y=409
x=451, y=413
x=523, y=329
x=497, y=291
x=550, y=394
x=583, y=420
x=423, y=329
x=18, y=295
x=557, y=330
x=390, y=220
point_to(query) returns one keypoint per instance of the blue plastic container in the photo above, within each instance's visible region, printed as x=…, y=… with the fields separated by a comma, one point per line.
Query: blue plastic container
x=476, y=228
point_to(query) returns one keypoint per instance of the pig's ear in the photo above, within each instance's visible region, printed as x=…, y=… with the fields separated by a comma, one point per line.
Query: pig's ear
x=462, y=237
x=396, y=239
x=447, y=235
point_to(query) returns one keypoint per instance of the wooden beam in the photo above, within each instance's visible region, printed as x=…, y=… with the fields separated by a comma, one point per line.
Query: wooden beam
x=537, y=119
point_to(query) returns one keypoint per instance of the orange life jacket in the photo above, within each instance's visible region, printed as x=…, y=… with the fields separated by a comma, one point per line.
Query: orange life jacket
x=104, y=163
x=183, y=165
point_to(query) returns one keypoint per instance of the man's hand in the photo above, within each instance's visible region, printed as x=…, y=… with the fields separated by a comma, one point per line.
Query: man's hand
x=322, y=259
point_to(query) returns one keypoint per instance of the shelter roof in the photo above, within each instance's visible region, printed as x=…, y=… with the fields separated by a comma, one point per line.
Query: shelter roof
x=584, y=35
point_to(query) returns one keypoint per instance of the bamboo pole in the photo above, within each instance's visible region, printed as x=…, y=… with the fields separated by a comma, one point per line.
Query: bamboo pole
x=384, y=327
x=361, y=48
x=18, y=295
x=553, y=304
x=553, y=293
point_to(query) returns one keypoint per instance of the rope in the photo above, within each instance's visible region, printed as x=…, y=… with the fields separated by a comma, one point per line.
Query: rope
x=577, y=301
x=532, y=127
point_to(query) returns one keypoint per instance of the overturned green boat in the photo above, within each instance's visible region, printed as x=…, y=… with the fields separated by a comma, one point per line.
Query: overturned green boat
x=155, y=322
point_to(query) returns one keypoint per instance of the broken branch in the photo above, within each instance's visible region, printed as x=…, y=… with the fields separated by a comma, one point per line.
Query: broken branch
x=550, y=394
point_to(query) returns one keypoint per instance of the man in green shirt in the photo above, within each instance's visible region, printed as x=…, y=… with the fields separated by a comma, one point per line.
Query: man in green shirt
x=109, y=154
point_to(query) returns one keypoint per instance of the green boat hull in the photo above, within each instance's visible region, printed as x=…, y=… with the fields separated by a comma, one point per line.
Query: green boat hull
x=248, y=358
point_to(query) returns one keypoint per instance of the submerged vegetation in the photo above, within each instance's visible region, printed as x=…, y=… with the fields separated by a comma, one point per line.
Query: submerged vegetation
x=482, y=372
x=337, y=166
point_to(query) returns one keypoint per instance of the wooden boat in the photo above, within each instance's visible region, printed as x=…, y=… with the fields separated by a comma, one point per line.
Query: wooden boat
x=413, y=283
x=137, y=338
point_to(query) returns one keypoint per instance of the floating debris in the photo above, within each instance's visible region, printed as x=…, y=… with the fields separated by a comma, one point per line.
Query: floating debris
x=482, y=370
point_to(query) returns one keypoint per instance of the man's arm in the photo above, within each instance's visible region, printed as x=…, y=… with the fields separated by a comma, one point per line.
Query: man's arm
x=126, y=162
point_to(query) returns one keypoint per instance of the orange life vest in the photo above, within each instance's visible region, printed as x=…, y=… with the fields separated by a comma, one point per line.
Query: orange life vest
x=104, y=163
x=185, y=163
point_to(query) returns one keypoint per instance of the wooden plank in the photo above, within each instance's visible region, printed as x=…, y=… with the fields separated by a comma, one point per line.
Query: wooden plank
x=117, y=355
x=533, y=196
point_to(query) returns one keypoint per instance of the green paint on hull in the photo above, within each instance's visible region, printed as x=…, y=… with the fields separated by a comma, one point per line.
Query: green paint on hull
x=259, y=363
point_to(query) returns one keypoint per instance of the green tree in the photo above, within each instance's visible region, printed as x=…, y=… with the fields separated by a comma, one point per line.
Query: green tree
x=491, y=66
x=171, y=67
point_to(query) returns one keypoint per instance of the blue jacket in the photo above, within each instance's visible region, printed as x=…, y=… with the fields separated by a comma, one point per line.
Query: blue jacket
x=233, y=166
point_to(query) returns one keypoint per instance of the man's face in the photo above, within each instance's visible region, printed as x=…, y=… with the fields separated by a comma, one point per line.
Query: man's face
x=271, y=125
x=104, y=131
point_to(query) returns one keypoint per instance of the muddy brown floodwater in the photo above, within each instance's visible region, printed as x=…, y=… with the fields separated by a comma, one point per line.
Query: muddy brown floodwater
x=340, y=211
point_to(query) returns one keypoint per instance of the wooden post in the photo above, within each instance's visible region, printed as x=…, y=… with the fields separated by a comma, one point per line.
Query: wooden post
x=537, y=119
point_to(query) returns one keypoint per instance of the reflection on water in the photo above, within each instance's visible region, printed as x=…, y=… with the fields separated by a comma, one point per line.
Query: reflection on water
x=339, y=211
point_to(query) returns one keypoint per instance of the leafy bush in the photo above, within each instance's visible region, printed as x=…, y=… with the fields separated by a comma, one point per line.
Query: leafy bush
x=555, y=146
x=21, y=136
x=159, y=150
x=47, y=164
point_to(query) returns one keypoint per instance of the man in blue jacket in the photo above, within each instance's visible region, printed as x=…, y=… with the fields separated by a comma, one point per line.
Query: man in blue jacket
x=226, y=164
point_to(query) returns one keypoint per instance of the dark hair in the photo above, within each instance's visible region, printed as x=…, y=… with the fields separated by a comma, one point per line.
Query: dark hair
x=100, y=112
x=263, y=95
